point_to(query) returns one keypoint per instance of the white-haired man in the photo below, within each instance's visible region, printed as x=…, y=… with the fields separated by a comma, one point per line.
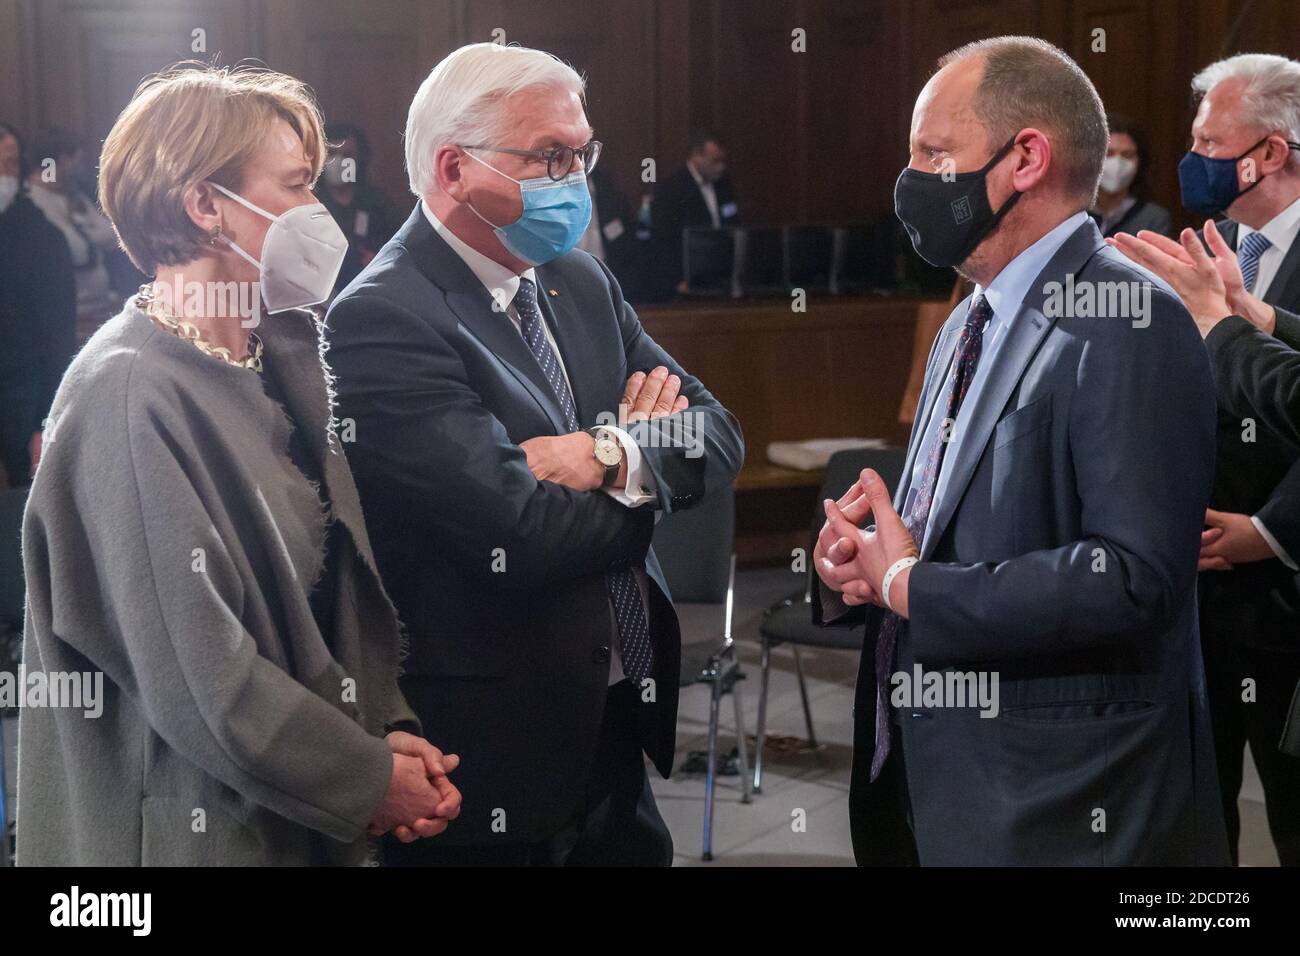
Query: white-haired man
x=473, y=355
x=1245, y=161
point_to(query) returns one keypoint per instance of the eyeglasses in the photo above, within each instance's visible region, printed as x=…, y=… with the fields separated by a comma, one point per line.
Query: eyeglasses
x=559, y=159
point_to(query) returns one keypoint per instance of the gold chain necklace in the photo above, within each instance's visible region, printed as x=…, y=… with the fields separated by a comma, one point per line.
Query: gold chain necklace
x=148, y=303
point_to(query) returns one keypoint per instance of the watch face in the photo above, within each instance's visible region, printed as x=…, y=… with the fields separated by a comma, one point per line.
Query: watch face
x=608, y=451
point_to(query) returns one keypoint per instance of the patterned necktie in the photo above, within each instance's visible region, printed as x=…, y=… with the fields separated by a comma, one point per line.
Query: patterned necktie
x=968, y=354
x=1252, y=247
x=629, y=613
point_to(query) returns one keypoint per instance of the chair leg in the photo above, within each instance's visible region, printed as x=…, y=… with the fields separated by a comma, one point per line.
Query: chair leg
x=803, y=694
x=760, y=737
x=741, y=747
x=714, y=701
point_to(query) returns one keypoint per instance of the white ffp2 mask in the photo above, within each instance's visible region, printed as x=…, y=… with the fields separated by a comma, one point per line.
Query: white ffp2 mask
x=1117, y=173
x=301, y=255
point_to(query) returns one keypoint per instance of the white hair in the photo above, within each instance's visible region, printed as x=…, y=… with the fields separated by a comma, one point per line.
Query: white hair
x=460, y=101
x=1270, y=98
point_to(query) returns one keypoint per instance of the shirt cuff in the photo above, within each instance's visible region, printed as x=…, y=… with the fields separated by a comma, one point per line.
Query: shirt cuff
x=1272, y=542
x=640, y=486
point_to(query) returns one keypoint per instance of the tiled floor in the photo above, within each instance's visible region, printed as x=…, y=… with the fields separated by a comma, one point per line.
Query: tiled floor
x=813, y=786
x=761, y=833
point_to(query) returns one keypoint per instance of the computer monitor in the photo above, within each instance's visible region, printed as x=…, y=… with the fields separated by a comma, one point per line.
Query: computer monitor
x=709, y=260
x=808, y=257
x=763, y=262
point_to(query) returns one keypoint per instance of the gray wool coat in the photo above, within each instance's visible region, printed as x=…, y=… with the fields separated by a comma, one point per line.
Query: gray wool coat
x=172, y=544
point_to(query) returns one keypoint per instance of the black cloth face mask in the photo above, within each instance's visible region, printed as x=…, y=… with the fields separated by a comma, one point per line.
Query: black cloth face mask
x=948, y=215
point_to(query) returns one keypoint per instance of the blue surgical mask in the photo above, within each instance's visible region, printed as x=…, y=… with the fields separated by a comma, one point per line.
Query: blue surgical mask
x=1210, y=185
x=555, y=216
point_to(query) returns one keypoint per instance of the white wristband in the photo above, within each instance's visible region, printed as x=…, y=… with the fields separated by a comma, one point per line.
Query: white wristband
x=893, y=573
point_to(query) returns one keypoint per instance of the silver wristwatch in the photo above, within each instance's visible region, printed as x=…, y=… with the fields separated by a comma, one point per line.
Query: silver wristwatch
x=609, y=452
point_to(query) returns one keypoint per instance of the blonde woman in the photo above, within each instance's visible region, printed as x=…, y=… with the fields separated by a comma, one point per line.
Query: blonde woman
x=193, y=538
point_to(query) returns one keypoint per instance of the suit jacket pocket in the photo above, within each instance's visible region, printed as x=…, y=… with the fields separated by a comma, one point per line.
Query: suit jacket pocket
x=1080, y=710
x=1037, y=414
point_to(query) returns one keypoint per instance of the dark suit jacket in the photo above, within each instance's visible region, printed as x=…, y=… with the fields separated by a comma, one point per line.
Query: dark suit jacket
x=1063, y=557
x=508, y=667
x=1262, y=477
x=1143, y=214
x=38, y=309
x=614, y=215
x=1259, y=377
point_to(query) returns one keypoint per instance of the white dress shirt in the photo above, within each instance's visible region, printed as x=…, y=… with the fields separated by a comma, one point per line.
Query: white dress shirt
x=1005, y=295
x=502, y=284
x=709, y=193
x=1281, y=232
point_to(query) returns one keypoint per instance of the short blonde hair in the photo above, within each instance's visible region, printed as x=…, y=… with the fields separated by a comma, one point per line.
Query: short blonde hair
x=191, y=123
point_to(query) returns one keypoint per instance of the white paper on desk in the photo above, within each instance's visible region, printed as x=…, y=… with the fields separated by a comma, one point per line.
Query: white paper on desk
x=814, y=453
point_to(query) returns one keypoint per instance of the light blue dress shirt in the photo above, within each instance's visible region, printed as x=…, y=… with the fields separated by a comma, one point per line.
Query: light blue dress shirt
x=1005, y=294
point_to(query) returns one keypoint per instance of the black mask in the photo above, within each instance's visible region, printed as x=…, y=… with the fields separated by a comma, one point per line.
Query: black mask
x=947, y=216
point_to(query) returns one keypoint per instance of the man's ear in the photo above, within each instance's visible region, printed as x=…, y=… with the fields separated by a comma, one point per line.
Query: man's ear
x=1035, y=159
x=1274, y=157
x=448, y=166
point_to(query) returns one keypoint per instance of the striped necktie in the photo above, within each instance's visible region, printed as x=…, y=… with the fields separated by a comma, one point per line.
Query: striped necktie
x=1248, y=253
x=629, y=613
x=963, y=371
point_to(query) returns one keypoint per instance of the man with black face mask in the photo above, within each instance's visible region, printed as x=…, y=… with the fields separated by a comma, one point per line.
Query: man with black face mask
x=1041, y=550
x=1245, y=161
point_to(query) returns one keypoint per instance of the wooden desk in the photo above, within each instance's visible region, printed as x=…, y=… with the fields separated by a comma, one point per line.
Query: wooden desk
x=837, y=370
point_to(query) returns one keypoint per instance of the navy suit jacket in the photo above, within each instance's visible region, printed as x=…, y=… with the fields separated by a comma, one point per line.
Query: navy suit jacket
x=499, y=577
x=1063, y=558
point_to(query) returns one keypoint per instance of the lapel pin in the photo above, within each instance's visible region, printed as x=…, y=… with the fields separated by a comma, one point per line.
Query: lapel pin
x=553, y=292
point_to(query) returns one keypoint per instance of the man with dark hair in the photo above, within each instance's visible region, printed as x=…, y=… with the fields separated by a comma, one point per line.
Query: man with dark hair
x=1031, y=690
x=38, y=314
x=699, y=194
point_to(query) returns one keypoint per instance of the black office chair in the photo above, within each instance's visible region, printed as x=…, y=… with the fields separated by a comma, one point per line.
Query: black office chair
x=790, y=621
x=694, y=547
x=12, y=593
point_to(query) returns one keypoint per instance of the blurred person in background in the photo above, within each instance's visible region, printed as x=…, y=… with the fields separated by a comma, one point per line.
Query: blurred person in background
x=699, y=194
x=1121, y=194
x=55, y=184
x=193, y=536
x=360, y=208
x=38, y=314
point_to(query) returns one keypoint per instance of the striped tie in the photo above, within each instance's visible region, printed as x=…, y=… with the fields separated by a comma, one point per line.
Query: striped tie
x=1248, y=253
x=918, y=516
x=629, y=613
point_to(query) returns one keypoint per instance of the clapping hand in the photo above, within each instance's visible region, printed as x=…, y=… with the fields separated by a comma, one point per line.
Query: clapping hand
x=1211, y=288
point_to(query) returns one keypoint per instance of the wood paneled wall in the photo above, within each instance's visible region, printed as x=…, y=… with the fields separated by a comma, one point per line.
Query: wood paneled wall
x=815, y=136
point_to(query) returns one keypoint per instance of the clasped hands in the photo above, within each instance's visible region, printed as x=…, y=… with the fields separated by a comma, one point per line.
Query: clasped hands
x=569, y=460
x=854, y=561
x=421, y=801
x=1211, y=288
